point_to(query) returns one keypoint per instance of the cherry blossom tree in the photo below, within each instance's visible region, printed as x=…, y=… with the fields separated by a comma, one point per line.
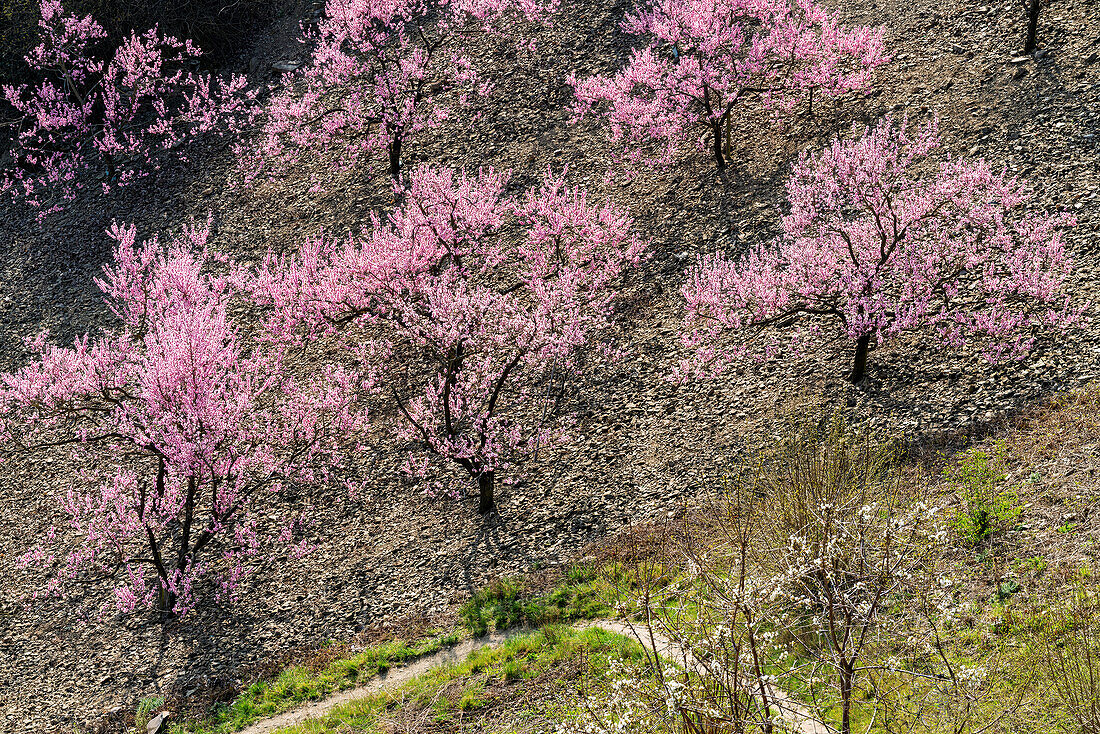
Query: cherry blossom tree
x=708, y=60
x=124, y=114
x=462, y=305
x=184, y=430
x=880, y=241
x=383, y=71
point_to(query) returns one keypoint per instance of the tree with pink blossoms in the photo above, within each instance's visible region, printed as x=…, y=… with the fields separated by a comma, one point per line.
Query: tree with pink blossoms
x=881, y=240
x=382, y=72
x=121, y=116
x=185, y=432
x=463, y=304
x=709, y=61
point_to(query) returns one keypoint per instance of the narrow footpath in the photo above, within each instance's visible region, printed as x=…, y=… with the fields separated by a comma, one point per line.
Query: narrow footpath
x=796, y=717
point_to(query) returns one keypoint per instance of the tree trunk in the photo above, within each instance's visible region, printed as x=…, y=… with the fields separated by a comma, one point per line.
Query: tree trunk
x=846, y=708
x=395, y=160
x=847, y=683
x=1032, y=25
x=165, y=600
x=485, y=492
x=859, y=367
x=716, y=126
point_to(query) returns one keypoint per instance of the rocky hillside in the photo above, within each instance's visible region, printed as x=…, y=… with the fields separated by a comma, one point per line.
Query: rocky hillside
x=642, y=444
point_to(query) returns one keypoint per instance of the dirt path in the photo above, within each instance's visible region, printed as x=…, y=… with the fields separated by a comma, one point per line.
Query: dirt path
x=391, y=679
x=797, y=717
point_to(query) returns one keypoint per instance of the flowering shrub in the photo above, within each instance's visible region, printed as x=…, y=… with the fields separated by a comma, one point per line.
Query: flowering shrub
x=123, y=114
x=383, y=71
x=184, y=432
x=879, y=242
x=707, y=59
x=845, y=549
x=811, y=569
x=462, y=306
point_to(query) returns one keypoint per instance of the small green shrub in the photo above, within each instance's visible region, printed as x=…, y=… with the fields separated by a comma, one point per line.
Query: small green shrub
x=147, y=707
x=473, y=697
x=508, y=603
x=1035, y=565
x=1007, y=588
x=513, y=670
x=988, y=507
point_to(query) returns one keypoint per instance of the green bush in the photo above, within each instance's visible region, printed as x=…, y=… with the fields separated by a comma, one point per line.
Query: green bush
x=509, y=603
x=988, y=506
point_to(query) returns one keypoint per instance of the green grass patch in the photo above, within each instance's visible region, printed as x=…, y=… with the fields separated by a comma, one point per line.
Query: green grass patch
x=504, y=604
x=512, y=603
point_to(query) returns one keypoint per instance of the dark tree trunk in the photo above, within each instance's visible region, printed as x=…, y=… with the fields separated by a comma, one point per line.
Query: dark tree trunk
x=859, y=367
x=395, y=160
x=720, y=159
x=166, y=600
x=847, y=684
x=1032, y=24
x=846, y=712
x=485, y=492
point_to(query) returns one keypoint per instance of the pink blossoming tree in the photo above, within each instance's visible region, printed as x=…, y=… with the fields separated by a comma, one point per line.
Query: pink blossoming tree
x=186, y=431
x=123, y=115
x=880, y=241
x=707, y=60
x=462, y=304
x=383, y=71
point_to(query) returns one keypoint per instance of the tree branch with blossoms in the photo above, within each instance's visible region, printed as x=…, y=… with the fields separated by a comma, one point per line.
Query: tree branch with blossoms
x=706, y=59
x=124, y=115
x=382, y=72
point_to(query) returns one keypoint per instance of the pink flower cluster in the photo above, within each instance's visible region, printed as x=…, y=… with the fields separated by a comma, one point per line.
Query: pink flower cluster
x=881, y=242
x=382, y=72
x=707, y=59
x=189, y=429
x=122, y=115
x=461, y=306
